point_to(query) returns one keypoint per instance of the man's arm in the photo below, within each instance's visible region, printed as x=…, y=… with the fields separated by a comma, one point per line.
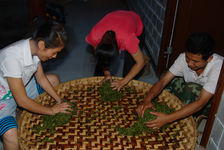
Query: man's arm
x=186, y=111
x=45, y=84
x=139, y=59
x=153, y=92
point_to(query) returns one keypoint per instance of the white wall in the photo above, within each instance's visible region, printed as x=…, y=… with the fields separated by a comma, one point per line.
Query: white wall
x=216, y=140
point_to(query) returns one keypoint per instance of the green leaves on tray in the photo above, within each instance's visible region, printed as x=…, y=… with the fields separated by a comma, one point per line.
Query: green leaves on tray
x=108, y=94
x=139, y=127
x=50, y=122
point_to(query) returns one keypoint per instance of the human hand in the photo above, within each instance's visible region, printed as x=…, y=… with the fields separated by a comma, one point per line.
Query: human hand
x=58, y=101
x=142, y=108
x=160, y=121
x=61, y=107
x=118, y=84
x=107, y=77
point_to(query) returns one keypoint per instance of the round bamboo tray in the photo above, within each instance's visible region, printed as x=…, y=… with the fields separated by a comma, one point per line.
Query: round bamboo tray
x=94, y=127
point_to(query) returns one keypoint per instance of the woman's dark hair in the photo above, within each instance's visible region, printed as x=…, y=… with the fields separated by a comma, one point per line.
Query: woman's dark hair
x=51, y=32
x=200, y=43
x=107, y=49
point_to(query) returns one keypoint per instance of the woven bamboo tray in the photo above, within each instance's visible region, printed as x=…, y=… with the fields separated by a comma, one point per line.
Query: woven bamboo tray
x=94, y=127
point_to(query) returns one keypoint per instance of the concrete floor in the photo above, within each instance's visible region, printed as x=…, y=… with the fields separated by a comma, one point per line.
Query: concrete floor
x=81, y=16
x=77, y=60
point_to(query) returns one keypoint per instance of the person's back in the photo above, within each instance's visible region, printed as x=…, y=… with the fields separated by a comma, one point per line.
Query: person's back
x=126, y=24
x=123, y=27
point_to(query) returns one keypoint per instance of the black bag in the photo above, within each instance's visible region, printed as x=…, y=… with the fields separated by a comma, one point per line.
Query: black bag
x=55, y=12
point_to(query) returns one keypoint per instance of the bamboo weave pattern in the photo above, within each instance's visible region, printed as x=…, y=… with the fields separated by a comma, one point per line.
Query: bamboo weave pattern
x=94, y=127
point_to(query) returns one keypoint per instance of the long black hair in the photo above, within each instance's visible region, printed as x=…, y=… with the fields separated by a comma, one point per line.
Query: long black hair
x=200, y=43
x=51, y=32
x=107, y=49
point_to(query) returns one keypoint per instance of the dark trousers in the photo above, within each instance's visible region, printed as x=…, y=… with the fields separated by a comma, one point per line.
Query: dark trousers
x=98, y=70
x=129, y=62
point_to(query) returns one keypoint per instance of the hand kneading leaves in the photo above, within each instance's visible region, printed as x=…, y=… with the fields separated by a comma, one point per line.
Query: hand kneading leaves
x=108, y=94
x=139, y=127
x=50, y=122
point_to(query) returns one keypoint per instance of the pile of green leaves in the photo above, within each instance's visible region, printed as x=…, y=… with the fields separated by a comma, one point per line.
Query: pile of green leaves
x=50, y=122
x=139, y=127
x=108, y=94
x=130, y=90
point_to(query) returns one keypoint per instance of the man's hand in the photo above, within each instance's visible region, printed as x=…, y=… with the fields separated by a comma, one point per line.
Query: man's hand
x=160, y=121
x=118, y=84
x=142, y=108
x=61, y=107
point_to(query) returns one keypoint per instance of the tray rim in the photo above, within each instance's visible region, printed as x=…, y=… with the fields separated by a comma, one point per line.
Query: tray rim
x=100, y=78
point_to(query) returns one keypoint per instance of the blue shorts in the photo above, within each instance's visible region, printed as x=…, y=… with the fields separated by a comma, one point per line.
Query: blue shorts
x=7, y=123
x=8, y=111
x=39, y=89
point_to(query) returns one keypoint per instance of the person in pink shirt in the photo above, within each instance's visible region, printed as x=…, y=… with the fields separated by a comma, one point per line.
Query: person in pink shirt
x=117, y=31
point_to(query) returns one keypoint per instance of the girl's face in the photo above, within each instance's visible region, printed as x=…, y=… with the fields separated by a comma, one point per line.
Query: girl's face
x=48, y=53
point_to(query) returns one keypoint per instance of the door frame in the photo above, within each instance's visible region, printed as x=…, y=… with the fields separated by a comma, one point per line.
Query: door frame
x=166, y=35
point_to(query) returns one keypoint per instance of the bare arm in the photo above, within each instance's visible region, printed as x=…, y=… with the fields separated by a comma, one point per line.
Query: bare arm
x=159, y=86
x=153, y=92
x=139, y=59
x=186, y=111
x=18, y=90
x=189, y=109
x=45, y=84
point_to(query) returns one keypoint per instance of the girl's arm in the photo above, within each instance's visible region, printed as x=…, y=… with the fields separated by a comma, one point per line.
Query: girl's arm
x=45, y=83
x=18, y=91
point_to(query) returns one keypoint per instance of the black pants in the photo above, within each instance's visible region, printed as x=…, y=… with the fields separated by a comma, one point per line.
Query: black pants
x=129, y=62
x=98, y=70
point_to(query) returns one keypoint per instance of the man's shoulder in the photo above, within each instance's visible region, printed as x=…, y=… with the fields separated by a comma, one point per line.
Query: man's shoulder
x=217, y=57
x=215, y=64
x=181, y=55
x=216, y=60
x=180, y=58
